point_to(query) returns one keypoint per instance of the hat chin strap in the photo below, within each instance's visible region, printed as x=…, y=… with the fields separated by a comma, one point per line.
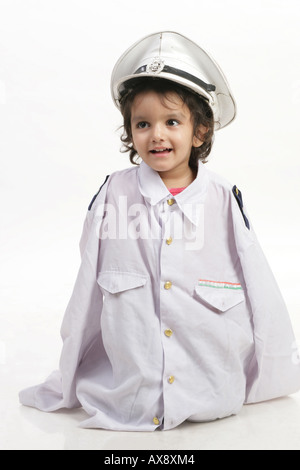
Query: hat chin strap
x=180, y=73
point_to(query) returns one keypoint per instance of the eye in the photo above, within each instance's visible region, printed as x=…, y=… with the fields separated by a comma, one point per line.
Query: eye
x=142, y=125
x=172, y=123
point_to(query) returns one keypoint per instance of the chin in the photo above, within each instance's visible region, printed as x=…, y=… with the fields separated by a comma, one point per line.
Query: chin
x=159, y=166
x=158, y=161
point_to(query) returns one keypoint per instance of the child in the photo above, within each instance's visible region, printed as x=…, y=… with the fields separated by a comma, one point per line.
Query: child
x=175, y=314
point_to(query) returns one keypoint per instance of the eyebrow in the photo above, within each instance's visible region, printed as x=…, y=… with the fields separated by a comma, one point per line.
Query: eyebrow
x=175, y=115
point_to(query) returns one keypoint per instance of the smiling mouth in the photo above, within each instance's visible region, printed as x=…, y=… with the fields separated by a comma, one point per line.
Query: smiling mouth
x=160, y=151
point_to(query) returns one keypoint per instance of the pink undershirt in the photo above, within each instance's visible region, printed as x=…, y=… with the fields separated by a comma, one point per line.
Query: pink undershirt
x=175, y=191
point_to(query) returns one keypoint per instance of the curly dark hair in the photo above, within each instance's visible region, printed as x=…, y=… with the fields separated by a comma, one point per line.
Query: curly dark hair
x=200, y=110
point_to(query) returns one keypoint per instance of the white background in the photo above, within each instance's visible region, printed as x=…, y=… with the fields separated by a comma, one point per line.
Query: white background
x=59, y=138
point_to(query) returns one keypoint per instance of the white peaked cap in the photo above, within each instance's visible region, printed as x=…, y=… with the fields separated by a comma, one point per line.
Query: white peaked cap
x=169, y=55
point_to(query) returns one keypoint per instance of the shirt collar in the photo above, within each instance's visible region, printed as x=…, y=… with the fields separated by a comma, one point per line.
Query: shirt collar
x=189, y=201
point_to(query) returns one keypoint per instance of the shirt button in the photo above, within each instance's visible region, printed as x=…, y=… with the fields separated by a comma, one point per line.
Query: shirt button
x=171, y=379
x=171, y=202
x=168, y=285
x=156, y=421
x=168, y=333
x=169, y=240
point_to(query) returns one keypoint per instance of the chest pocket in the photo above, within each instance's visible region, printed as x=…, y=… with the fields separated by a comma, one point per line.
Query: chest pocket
x=116, y=282
x=220, y=296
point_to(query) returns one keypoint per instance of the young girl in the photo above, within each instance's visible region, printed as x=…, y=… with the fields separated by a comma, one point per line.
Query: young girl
x=175, y=314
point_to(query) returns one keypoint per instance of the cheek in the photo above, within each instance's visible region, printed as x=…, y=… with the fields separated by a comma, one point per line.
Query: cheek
x=187, y=139
x=180, y=138
x=139, y=140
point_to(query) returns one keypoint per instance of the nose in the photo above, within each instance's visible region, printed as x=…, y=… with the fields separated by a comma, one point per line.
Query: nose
x=157, y=133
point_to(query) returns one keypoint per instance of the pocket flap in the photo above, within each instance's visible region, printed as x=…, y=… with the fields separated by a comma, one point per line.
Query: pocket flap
x=221, y=296
x=118, y=281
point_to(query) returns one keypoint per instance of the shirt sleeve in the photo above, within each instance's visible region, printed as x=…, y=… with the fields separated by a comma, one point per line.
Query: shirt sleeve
x=80, y=327
x=273, y=373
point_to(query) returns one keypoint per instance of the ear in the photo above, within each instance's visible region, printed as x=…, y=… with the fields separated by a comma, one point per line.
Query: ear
x=199, y=135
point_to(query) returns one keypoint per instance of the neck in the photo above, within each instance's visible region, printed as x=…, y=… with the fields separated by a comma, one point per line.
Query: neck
x=180, y=180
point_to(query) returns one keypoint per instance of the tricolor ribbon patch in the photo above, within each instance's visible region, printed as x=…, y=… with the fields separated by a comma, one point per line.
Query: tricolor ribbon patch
x=219, y=285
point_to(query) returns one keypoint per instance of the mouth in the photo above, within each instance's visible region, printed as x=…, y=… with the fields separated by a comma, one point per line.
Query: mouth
x=161, y=152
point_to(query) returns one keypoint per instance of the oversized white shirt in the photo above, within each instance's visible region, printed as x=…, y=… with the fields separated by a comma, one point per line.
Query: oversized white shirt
x=175, y=313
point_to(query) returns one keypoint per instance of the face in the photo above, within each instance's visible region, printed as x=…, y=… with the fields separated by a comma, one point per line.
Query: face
x=163, y=133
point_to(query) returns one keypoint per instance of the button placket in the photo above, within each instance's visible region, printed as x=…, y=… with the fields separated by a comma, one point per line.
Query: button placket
x=167, y=300
x=170, y=203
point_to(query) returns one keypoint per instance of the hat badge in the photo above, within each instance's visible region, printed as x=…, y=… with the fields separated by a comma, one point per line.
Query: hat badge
x=156, y=66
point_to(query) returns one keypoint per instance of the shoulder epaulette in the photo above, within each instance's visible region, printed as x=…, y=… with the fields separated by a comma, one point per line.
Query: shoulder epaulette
x=94, y=198
x=238, y=196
